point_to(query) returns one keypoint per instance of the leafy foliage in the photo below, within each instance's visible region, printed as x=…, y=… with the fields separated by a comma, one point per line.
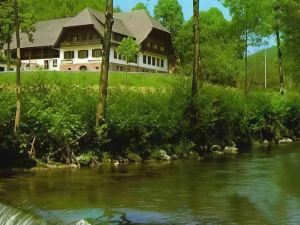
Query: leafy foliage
x=169, y=13
x=140, y=6
x=60, y=114
x=219, y=54
x=129, y=49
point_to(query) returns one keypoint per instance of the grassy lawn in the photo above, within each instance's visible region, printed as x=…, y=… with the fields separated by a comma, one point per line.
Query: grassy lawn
x=92, y=78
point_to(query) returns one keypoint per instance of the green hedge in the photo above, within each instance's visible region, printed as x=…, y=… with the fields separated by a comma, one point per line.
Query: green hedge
x=141, y=119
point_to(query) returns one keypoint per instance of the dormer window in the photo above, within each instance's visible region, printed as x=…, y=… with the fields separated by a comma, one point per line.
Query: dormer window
x=118, y=37
x=96, y=37
x=75, y=38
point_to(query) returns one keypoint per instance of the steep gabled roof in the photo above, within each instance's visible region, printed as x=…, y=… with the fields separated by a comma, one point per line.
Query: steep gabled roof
x=118, y=26
x=46, y=34
x=140, y=23
x=137, y=24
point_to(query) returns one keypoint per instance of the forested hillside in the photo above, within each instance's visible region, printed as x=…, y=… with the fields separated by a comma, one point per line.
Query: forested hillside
x=54, y=9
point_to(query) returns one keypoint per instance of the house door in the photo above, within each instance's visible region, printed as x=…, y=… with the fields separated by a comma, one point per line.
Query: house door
x=46, y=64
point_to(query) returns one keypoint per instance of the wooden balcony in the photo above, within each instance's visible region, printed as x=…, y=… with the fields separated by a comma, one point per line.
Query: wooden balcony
x=79, y=43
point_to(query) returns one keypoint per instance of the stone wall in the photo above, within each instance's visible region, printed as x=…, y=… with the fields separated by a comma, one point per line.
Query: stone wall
x=112, y=67
x=81, y=66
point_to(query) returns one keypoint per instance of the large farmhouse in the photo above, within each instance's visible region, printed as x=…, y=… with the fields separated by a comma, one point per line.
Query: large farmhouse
x=73, y=44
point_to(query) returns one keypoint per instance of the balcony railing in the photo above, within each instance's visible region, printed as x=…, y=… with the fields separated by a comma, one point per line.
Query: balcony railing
x=67, y=61
x=88, y=42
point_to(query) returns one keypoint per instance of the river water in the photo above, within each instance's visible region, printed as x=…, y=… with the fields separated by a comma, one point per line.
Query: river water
x=258, y=187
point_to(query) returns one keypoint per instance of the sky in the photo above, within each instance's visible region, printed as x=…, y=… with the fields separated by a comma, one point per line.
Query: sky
x=187, y=6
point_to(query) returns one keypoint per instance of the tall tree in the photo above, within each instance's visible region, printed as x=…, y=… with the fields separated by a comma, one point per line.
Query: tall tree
x=6, y=28
x=277, y=10
x=101, y=107
x=18, y=80
x=22, y=19
x=251, y=22
x=139, y=6
x=220, y=48
x=196, y=66
x=169, y=13
x=290, y=33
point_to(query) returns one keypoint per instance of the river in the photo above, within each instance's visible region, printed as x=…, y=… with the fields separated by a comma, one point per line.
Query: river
x=257, y=187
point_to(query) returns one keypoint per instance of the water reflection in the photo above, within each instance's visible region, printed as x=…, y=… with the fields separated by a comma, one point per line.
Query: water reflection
x=260, y=187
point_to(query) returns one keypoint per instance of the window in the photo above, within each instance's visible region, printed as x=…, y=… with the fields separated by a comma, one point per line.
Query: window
x=83, y=68
x=162, y=48
x=148, y=44
x=96, y=53
x=149, y=60
x=120, y=57
x=46, y=64
x=74, y=38
x=155, y=46
x=69, y=55
x=135, y=60
x=115, y=54
x=54, y=63
x=157, y=62
x=144, y=59
x=83, y=54
x=153, y=61
x=117, y=37
x=162, y=63
x=83, y=37
x=96, y=36
x=90, y=36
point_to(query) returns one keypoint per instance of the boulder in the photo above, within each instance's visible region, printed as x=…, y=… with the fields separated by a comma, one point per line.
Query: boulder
x=218, y=153
x=285, y=141
x=82, y=222
x=216, y=148
x=174, y=157
x=162, y=155
x=231, y=150
x=233, y=144
x=115, y=162
x=266, y=142
x=133, y=157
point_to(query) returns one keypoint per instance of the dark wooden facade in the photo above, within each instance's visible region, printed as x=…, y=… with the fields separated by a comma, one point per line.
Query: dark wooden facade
x=74, y=36
x=158, y=42
x=38, y=53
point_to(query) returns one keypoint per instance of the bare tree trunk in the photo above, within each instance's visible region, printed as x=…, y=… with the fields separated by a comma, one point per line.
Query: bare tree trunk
x=281, y=77
x=8, y=56
x=18, y=78
x=196, y=66
x=246, y=48
x=246, y=62
x=101, y=106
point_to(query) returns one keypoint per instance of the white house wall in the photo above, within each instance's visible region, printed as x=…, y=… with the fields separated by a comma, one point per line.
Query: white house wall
x=40, y=63
x=4, y=66
x=76, y=60
x=90, y=59
x=140, y=62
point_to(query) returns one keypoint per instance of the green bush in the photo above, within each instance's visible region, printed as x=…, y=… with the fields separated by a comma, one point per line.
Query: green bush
x=61, y=115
